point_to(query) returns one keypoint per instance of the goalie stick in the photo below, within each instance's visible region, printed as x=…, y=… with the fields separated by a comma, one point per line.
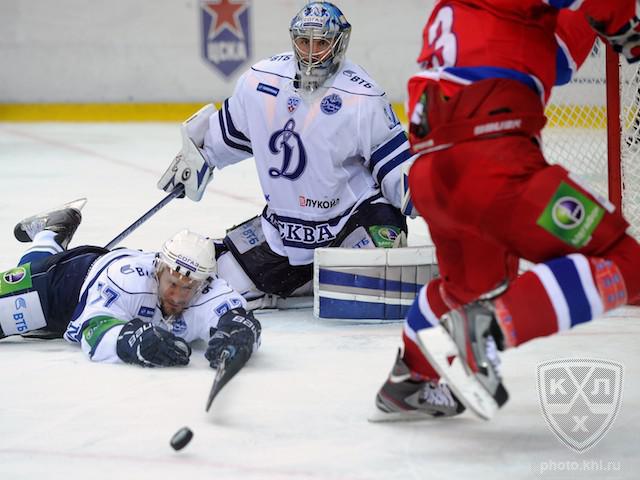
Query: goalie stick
x=176, y=192
x=229, y=364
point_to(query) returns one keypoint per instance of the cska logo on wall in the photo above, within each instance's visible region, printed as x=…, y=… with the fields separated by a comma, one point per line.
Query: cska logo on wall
x=226, y=36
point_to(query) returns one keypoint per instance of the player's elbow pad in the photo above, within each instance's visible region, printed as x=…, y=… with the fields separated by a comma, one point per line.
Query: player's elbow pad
x=99, y=336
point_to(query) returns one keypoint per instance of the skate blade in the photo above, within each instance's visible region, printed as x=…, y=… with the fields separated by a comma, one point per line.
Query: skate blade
x=378, y=416
x=465, y=386
x=77, y=204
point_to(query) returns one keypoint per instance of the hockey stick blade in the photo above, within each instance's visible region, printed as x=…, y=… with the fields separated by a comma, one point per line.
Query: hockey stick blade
x=228, y=365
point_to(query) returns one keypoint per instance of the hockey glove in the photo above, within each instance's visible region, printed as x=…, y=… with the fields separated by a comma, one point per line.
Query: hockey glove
x=626, y=40
x=189, y=167
x=238, y=332
x=143, y=344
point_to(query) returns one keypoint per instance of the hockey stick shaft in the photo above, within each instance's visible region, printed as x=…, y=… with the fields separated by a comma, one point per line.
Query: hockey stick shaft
x=179, y=190
x=229, y=364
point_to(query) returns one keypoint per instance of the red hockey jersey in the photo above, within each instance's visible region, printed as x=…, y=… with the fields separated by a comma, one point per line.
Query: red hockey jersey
x=527, y=40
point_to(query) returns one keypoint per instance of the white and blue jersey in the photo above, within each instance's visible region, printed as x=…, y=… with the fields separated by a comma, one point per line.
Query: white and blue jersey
x=318, y=156
x=122, y=285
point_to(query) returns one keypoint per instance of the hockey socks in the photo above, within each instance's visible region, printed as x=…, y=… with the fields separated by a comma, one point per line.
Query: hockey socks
x=44, y=245
x=558, y=295
x=425, y=312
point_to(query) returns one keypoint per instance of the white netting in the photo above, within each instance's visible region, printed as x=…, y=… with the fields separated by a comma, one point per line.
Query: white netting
x=576, y=132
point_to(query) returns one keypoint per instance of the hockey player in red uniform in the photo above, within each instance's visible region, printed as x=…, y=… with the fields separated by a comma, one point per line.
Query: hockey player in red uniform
x=490, y=199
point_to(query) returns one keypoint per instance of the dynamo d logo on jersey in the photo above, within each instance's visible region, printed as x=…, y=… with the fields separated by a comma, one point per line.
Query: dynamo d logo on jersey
x=287, y=142
x=226, y=34
x=580, y=398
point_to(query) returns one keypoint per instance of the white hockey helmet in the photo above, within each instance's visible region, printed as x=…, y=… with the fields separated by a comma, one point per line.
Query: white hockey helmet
x=190, y=255
x=318, y=23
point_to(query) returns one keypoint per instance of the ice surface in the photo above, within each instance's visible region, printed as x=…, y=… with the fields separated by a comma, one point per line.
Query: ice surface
x=298, y=410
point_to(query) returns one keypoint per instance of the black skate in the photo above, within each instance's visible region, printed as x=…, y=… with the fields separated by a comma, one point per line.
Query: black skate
x=404, y=397
x=63, y=221
x=470, y=334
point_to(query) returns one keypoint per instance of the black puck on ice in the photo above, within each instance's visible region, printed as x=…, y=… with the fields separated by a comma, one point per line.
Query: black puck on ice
x=181, y=438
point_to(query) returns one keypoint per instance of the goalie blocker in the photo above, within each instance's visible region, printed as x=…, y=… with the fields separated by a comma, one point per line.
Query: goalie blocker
x=371, y=284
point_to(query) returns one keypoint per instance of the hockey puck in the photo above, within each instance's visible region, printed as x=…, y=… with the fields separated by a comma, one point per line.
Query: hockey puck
x=181, y=438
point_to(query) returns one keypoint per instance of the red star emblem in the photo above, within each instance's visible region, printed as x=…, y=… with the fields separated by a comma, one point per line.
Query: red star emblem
x=225, y=14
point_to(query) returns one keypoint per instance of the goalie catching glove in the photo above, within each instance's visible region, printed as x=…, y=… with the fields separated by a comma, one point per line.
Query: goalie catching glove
x=189, y=167
x=143, y=344
x=238, y=332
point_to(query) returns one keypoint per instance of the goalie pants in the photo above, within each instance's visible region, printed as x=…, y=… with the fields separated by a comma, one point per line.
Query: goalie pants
x=273, y=274
x=489, y=203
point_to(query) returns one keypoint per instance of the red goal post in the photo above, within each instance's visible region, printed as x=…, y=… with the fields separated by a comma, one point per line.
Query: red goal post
x=593, y=129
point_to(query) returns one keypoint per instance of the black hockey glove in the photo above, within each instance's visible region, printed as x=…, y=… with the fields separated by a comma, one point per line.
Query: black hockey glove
x=143, y=344
x=238, y=332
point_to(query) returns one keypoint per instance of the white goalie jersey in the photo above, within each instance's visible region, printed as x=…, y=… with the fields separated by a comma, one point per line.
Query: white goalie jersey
x=318, y=156
x=122, y=285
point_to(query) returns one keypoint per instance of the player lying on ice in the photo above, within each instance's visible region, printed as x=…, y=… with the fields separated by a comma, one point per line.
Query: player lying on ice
x=490, y=198
x=123, y=305
x=328, y=150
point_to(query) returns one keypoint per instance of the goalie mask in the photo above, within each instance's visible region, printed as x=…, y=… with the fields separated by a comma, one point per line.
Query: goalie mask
x=320, y=35
x=184, y=268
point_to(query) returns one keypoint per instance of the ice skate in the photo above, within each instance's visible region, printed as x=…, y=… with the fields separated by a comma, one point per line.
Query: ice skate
x=405, y=397
x=470, y=334
x=63, y=221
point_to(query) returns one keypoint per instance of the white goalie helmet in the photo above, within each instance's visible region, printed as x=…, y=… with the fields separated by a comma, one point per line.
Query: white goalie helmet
x=320, y=35
x=189, y=254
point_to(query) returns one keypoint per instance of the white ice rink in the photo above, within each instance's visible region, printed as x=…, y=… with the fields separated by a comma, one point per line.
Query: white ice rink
x=299, y=409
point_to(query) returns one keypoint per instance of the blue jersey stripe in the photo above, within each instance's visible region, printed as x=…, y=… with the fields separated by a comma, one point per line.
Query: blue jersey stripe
x=391, y=164
x=232, y=128
x=311, y=223
x=563, y=70
x=474, y=74
x=226, y=138
x=386, y=149
x=307, y=246
x=270, y=73
x=568, y=278
x=562, y=3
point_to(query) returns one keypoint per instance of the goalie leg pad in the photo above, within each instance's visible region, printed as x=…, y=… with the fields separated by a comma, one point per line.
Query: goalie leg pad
x=372, y=284
x=234, y=274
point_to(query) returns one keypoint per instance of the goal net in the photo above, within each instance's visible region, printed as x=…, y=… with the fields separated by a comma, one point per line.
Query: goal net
x=593, y=129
